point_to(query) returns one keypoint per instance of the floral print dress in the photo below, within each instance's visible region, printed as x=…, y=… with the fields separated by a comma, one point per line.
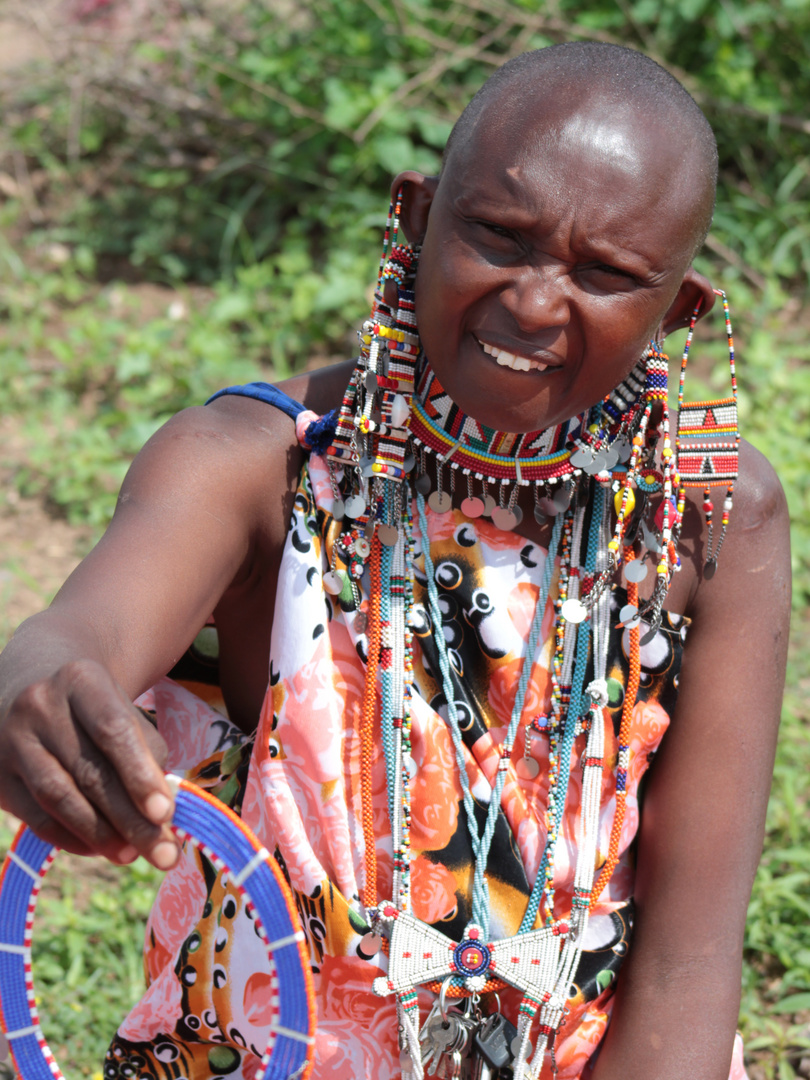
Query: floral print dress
x=297, y=784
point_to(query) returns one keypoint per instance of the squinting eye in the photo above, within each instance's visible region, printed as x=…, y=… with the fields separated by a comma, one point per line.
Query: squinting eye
x=497, y=230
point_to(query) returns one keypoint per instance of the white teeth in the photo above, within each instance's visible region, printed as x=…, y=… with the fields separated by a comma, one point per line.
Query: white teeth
x=507, y=359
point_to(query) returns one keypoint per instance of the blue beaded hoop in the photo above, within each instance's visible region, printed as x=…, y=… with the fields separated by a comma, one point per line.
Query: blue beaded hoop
x=224, y=839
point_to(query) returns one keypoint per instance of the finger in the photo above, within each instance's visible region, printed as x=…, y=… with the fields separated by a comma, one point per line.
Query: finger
x=115, y=727
x=112, y=814
x=29, y=801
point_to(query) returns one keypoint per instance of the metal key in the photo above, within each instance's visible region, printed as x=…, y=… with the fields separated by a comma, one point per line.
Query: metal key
x=493, y=1041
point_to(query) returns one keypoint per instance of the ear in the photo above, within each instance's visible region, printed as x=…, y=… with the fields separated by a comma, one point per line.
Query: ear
x=694, y=289
x=417, y=195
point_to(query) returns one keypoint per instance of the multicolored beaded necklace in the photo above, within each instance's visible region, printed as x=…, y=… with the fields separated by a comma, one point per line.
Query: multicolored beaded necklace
x=394, y=417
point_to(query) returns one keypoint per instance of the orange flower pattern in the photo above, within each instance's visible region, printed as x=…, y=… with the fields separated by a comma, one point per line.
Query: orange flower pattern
x=205, y=1012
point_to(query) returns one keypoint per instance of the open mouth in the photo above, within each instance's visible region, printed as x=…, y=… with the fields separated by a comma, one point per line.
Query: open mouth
x=511, y=360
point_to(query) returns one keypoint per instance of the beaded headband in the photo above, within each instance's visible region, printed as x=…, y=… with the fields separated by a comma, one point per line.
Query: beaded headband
x=230, y=845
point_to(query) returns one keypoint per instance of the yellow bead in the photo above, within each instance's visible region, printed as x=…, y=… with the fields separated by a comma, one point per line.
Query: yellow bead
x=662, y=567
x=613, y=545
x=629, y=498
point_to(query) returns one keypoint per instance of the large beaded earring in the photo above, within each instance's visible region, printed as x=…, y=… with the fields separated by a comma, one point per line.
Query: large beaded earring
x=708, y=441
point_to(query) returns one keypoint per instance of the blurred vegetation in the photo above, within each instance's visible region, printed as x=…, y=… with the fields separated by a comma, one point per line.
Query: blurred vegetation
x=196, y=198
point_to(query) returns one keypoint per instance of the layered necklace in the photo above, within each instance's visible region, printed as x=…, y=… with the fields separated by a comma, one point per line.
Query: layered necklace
x=401, y=447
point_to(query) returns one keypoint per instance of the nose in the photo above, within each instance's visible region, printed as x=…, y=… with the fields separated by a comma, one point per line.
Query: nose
x=537, y=297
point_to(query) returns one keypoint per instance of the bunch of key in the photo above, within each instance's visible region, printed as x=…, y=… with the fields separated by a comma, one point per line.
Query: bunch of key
x=459, y=1044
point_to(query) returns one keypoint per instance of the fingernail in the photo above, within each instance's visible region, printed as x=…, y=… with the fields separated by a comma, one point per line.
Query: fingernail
x=127, y=855
x=158, y=808
x=164, y=855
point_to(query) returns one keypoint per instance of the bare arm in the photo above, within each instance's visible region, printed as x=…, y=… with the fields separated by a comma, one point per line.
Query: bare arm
x=204, y=501
x=704, y=812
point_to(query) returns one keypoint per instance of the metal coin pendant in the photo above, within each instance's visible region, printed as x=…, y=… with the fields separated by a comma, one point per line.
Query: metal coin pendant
x=489, y=505
x=422, y=484
x=635, y=571
x=527, y=768
x=408, y=463
x=539, y=516
x=709, y=569
x=546, y=506
x=472, y=507
x=628, y=613
x=561, y=500
x=611, y=455
x=355, y=507
x=333, y=583
x=338, y=510
x=371, y=945
x=624, y=450
x=597, y=465
x=440, y=502
x=573, y=611
x=370, y=381
x=581, y=457
x=504, y=519
x=388, y=534
x=518, y=514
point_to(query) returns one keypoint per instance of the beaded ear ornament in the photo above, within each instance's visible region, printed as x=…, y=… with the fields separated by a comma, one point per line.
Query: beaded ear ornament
x=224, y=839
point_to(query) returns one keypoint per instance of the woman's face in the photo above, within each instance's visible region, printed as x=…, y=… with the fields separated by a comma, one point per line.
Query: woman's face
x=545, y=272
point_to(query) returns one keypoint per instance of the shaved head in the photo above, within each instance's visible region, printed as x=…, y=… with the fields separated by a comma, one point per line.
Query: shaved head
x=624, y=103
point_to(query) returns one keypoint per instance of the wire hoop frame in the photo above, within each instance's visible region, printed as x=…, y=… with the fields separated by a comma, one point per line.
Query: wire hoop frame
x=232, y=847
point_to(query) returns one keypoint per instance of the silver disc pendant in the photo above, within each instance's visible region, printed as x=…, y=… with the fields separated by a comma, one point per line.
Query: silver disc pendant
x=611, y=456
x=518, y=513
x=709, y=569
x=561, y=500
x=355, y=507
x=624, y=450
x=489, y=505
x=338, y=510
x=333, y=583
x=597, y=465
x=573, y=611
x=370, y=381
x=546, y=506
x=539, y=516
x=472, y=507
x=371, y=945
x=408, y=463
x=527, y=768
x=422, y=484
x=629, y=615
x=582, y=457
x=651, y=541
x=635, y=571
x=440, y=502
x=388, y=534
x=504, y=518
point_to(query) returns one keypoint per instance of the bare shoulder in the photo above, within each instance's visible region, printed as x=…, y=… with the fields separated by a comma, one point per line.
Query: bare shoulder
x=753, y=570
x=238, y=448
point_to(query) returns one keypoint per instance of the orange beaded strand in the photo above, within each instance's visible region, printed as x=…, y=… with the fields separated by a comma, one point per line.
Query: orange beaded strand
x=369, y=713
x=633, y=679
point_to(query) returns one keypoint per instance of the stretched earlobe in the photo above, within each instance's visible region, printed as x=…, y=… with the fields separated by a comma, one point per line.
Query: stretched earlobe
x=417, y=195
x=695, y=290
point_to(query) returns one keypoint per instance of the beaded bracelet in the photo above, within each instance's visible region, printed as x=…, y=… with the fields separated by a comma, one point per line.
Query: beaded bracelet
x=231, y=846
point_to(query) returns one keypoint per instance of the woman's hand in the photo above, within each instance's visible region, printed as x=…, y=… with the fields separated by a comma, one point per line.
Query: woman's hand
x=82, y=767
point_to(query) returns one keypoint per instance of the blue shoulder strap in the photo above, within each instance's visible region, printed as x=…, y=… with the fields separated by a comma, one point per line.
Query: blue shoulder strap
x=262, y=391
